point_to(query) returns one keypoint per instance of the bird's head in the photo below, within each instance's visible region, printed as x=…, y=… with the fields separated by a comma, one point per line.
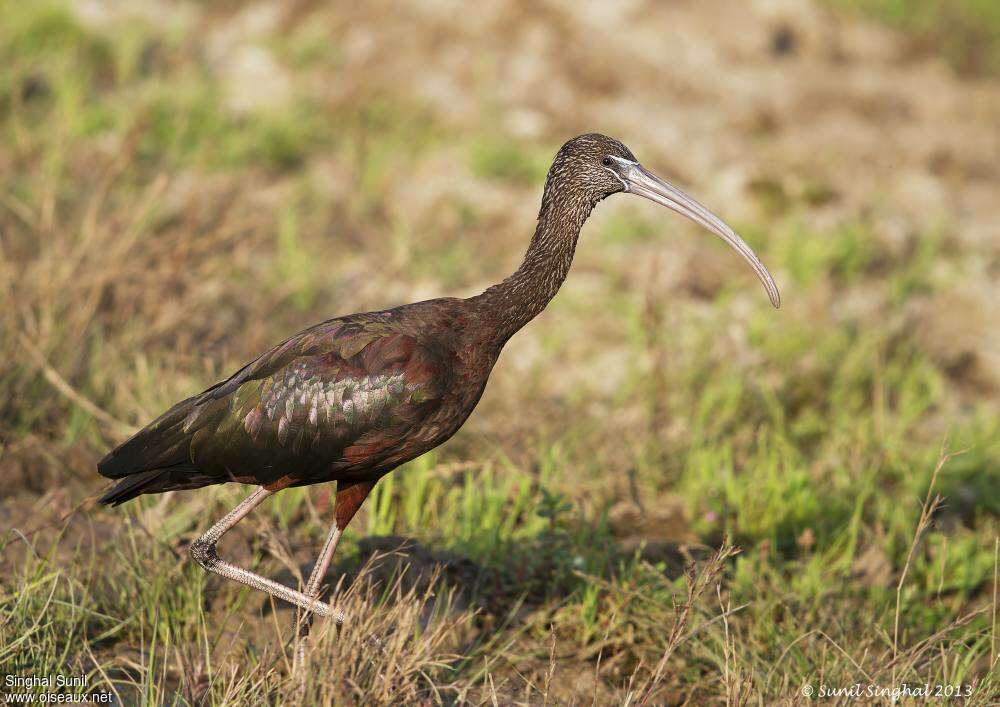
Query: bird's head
x=592, y=167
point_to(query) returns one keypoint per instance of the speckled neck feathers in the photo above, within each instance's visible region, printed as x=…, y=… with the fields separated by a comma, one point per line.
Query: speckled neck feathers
x=522, y=296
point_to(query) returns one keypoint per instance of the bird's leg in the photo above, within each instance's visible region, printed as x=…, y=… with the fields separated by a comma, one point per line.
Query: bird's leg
x=323, y=562
x=303, y=619
x=347, y=501
x=204, y=553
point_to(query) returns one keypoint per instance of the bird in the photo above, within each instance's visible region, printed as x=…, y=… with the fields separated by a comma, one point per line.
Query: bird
x=354, y=397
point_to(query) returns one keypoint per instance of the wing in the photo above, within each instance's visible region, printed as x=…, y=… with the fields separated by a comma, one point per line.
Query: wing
x=335, y=401
x=165, y=443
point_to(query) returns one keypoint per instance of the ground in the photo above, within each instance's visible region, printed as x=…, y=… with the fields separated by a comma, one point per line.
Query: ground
x=670, y=492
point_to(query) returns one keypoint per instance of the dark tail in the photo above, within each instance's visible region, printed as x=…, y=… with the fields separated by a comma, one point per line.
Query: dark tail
x=151, y=458
x=132, y=486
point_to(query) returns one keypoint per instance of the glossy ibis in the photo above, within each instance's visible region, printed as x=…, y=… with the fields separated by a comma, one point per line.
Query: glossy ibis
x=352, y=398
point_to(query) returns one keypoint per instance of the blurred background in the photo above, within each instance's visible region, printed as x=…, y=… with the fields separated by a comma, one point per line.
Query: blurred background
x=183, y=184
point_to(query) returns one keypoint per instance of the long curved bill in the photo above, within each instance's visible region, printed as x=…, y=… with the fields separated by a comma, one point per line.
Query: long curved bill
x=639, y=180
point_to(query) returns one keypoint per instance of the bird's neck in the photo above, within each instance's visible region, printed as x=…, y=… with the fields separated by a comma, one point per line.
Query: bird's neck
x=521, y=297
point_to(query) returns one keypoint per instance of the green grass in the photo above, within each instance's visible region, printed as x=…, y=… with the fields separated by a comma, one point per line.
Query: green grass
x=507, y=160
x=965, y=32
x=187, y=125
x=562, y=547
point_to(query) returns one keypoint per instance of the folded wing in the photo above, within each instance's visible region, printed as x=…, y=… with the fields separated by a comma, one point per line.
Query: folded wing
x=334, y=401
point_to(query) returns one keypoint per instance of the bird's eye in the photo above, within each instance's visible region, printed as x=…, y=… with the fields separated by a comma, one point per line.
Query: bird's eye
x=606, y=162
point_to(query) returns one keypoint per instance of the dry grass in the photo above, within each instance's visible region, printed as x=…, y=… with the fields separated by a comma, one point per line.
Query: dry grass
x=183, y=185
